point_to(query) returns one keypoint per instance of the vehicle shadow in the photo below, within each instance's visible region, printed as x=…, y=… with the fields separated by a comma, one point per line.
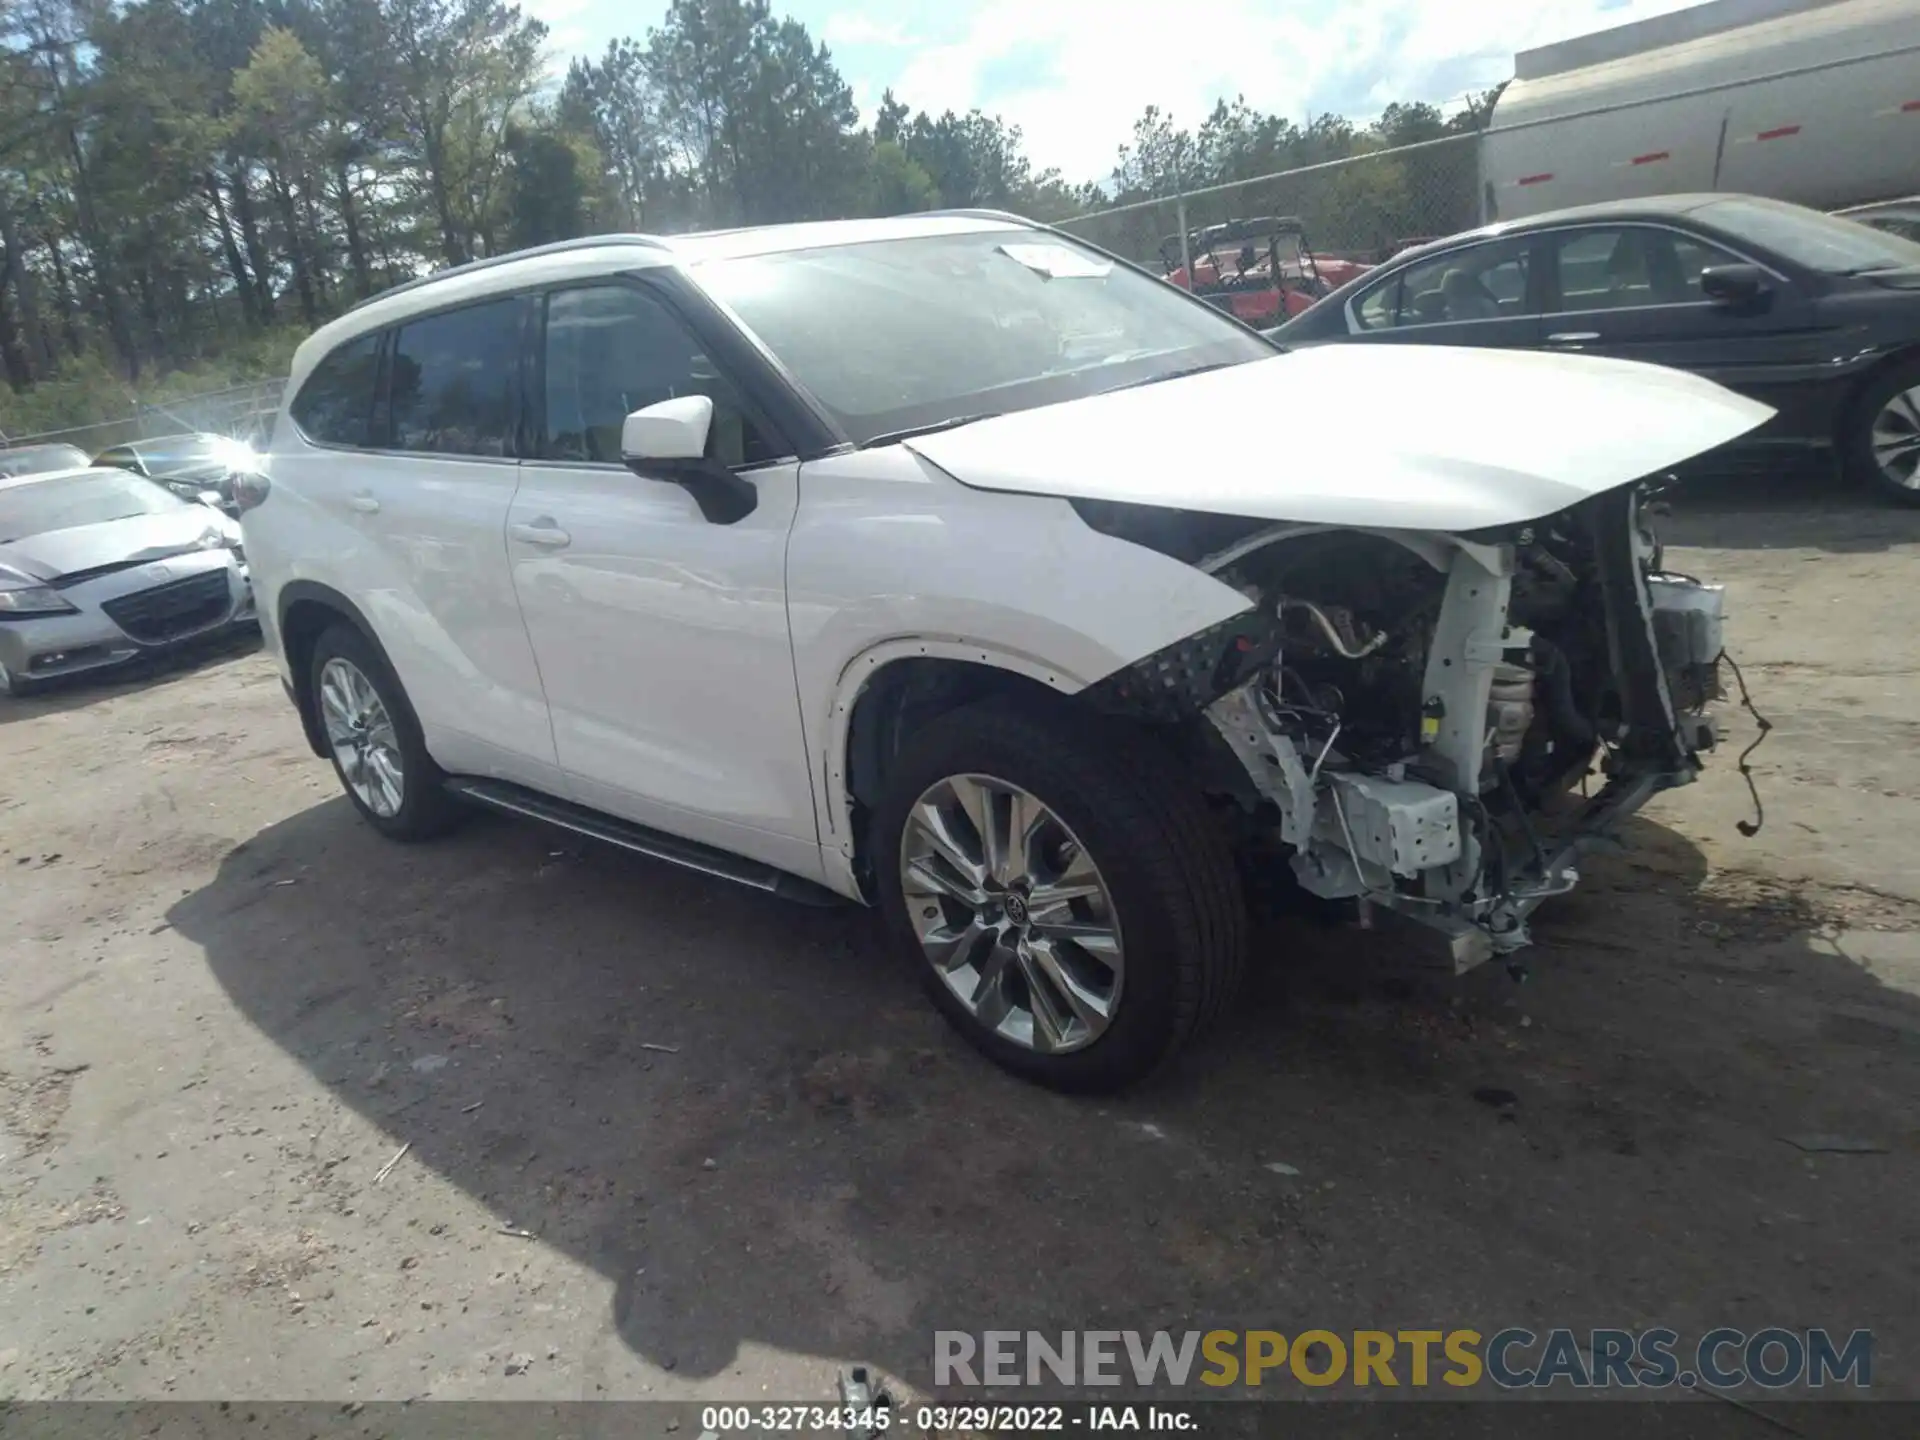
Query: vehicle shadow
x=88, y=689
x=745, y=1116
x=1803, y=504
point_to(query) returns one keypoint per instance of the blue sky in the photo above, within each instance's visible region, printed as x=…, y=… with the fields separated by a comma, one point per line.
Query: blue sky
x=1073, y=74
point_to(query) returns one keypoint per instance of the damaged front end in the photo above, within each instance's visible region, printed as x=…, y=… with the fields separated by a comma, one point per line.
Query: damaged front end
x=1440, y=725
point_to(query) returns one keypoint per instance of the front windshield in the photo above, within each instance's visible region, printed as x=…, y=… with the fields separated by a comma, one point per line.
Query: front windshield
x=41, y=459
x=1828, y=243
x=69, y=501
x=894, y=335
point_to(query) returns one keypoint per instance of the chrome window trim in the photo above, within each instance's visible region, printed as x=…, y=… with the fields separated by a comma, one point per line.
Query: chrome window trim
x=1354, y=327
x=1351, y=310
x=1680, y=230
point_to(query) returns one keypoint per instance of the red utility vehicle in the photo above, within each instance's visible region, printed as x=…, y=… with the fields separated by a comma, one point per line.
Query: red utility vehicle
x=1259, y=270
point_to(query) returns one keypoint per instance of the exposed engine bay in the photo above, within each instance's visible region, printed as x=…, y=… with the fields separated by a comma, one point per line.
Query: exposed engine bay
x=1439, y=725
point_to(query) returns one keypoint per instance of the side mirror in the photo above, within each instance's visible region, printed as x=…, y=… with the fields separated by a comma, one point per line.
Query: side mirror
x=673, y=430
x=1735, y=286
x=668, y=441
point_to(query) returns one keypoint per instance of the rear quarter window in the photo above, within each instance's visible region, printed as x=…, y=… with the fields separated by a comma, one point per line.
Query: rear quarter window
x=335, y=405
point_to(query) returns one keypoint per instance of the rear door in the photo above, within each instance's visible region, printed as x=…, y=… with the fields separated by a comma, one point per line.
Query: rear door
x=1480, y=294
x=1633, y=292
x=418, y=538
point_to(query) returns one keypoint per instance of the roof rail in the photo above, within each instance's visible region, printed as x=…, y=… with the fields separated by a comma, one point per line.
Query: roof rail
x=981, y=213
x=557, y=247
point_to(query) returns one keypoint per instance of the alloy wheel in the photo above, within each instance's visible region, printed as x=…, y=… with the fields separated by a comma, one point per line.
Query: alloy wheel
x=362, y=736
x=1896, y=438
x=1013, y=913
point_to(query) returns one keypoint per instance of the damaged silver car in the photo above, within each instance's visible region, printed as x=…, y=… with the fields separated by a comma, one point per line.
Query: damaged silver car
x=99, y=569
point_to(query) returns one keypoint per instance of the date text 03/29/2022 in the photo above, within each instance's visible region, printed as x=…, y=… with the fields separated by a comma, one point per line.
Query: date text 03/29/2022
x=945, y=1419
x=1772, y=1358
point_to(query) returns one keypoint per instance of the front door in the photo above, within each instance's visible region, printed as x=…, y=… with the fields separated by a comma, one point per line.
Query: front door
x=661, y=637
x=1633, y=292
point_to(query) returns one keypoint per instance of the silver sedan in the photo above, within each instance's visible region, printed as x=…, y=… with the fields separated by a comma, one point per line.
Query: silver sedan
x=99, y=567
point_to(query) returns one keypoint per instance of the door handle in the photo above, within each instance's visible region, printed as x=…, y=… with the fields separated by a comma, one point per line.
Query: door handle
x=364, y=503
x=542, y=531
x=1572, y=337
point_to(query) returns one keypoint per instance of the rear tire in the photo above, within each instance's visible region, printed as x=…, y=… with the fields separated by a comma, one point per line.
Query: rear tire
x=375, y=741
x=1165, y=937
x=1880, y=436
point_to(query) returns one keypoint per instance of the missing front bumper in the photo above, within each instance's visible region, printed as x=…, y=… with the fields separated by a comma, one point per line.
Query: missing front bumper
x=1443, y=836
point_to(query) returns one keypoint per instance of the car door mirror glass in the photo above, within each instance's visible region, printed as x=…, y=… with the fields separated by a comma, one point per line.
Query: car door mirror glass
x=1739, y=284
x=673, y=431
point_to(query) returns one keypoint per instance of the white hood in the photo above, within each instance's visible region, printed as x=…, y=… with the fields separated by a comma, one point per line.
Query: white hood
x=1413, y=437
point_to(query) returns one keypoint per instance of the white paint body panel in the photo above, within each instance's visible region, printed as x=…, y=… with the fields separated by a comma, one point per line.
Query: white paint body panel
x=890, y=559
x=1400, y=437
x=662, y=642
x=674, y=429
x=428, y=569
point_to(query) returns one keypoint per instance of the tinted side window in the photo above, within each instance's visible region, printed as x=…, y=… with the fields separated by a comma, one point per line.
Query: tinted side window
x=1379, y=308
x=1603, y=269
x=453, y=381
x=611, y=350
x=1482, y=282
x=1627, y=266
x=1692, y=255
x=121, y=457
x=335, y=406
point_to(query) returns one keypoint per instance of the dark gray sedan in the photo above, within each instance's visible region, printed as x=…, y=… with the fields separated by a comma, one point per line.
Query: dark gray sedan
x=191, y=466
x=1816, y=316
x=99, y=567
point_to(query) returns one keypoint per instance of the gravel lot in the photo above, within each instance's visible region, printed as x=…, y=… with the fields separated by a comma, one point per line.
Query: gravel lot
x=666, y=1138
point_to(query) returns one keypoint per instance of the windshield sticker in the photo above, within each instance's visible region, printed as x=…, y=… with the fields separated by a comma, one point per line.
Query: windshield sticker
x=1057, y=262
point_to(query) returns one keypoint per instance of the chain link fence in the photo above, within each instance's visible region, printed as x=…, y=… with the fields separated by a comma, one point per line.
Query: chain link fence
x=242, y=412
x=1361, y=208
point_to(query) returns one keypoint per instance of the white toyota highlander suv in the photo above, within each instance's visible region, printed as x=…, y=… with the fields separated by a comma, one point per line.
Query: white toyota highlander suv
x=949, y=565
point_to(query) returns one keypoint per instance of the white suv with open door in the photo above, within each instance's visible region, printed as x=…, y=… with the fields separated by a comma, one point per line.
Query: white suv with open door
x=948, y=565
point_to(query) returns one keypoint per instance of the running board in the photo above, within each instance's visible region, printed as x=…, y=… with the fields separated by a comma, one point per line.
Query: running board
x=514, y=799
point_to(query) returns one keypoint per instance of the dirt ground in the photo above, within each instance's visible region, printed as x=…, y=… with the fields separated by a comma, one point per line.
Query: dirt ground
x=665, y=1138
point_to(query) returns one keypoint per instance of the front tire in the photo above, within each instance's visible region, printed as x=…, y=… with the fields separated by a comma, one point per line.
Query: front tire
x=375, y=741
x=19, y=687
x=1069, y=904
x=1880, y=437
